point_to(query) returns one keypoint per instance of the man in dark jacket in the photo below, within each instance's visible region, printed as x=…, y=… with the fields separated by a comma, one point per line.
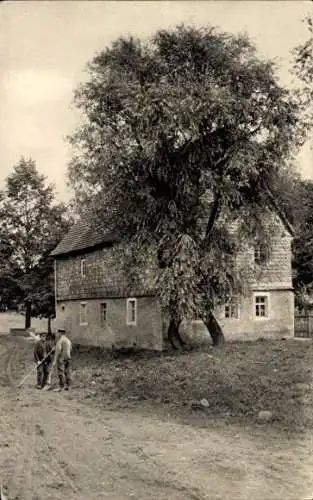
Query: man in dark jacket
x=41, y=350
x=50, y=347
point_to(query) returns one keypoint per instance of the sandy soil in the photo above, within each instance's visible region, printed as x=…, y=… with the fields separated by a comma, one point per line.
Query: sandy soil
x=54, y=446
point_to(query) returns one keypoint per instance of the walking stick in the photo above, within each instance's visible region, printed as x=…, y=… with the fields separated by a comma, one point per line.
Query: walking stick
x=35, y=368
x=49, y=376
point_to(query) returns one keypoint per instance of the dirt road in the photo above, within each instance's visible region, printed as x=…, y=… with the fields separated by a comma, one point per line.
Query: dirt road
x=52, y=446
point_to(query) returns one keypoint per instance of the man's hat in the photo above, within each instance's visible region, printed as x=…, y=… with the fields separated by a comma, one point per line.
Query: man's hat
x=41, y=333
x=61, y=330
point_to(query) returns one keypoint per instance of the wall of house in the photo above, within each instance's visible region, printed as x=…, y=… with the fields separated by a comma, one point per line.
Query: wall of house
x=278, y=324
x=278, y=268
x=273, y=279
x=147, y=333
x=276, y=271
x=102, y=277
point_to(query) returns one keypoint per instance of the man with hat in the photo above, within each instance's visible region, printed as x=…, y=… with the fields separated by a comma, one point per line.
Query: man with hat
x=40, y=353
x=62, y=359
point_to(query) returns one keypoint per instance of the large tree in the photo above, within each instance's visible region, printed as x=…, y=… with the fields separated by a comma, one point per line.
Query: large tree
x=182, y=137
x=32, y=223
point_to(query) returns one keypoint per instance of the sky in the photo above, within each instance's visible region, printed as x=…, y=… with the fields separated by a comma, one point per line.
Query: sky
x=44, y=48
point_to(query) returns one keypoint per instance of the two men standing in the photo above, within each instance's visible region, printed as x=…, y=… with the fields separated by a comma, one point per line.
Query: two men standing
x=46, y=361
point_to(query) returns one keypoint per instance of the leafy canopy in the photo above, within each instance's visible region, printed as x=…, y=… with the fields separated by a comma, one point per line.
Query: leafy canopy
x=31, y=225
x=303, y=66
x=181, y=136
x=303, y=242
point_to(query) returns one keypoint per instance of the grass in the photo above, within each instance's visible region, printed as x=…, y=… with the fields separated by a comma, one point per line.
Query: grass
x=238, y=381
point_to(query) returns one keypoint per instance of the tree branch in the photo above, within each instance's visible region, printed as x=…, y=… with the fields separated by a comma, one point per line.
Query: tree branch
x=216, y=208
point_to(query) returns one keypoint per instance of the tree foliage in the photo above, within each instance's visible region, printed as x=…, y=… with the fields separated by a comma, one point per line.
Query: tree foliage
x=31, y=225
x=295, y=197
x=303, y=243
x=189, y=116
x=304, y=70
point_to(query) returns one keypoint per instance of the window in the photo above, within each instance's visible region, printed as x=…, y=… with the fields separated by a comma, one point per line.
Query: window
x=103, y=311
x=232, y=309
x=261, y=306
x=131, y=311
x=83, y=313
x=83, y=267
x=260, y=253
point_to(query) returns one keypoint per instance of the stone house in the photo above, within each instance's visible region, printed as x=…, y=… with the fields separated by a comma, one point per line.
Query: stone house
x=91, y=301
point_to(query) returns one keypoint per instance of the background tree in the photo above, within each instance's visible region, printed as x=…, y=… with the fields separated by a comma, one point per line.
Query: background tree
x=31, y=225
x=304, y=70
x=182, y=138
x=9, y=297
x=43, y=300
x=295, y=196
x=303, y=244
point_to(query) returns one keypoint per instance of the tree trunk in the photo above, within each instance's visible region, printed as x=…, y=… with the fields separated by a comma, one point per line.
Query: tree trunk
x=49, y=325
x=28, y=314
x=173, y=333
x=214, y=329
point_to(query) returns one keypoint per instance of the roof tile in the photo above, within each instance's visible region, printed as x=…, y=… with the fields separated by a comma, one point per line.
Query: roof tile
x=81, y=236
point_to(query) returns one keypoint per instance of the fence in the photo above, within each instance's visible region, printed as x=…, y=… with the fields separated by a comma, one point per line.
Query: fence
x=304, y=326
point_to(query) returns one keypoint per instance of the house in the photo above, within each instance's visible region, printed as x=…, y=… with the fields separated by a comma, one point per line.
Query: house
x=94, y=306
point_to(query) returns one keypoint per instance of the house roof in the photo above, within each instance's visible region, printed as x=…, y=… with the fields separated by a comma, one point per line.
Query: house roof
x=83, y=236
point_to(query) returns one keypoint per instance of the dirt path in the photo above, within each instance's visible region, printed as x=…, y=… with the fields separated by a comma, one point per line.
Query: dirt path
x=54, y=447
